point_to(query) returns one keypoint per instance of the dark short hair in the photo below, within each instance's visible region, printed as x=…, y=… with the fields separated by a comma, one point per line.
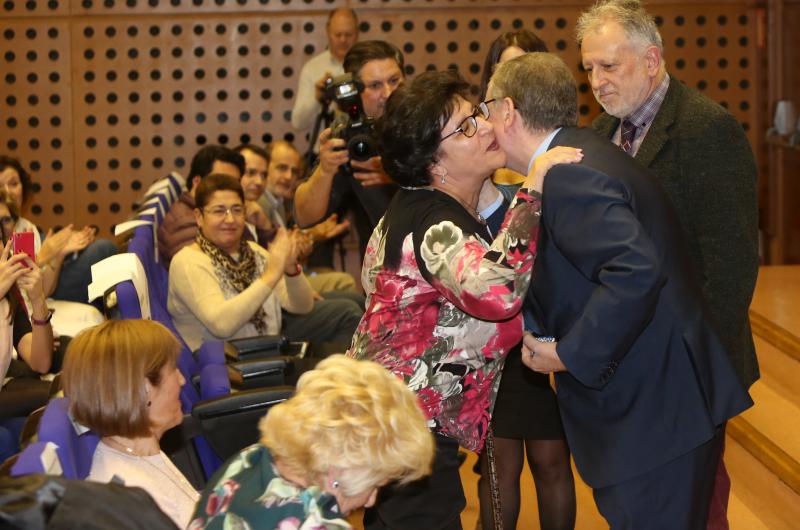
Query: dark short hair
x=203, y=161
x=524, y=39
x=371, y=50
x=410, y=130
x=542, y=88
x=260, y=151
x=24, y=177
x=213, y=183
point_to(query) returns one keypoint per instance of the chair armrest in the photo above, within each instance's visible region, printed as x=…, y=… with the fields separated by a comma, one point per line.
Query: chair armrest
x=252, y=347
x=237, y=413
x=259, y=373
x=238, y=402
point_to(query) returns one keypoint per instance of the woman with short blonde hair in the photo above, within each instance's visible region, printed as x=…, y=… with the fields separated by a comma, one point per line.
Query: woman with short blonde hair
x=351, y=428
x=123, y=383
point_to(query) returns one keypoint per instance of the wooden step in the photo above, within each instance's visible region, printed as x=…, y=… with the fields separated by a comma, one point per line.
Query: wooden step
x=770, y=500
x=777, y=296
x=779, y=371
x=775, y=418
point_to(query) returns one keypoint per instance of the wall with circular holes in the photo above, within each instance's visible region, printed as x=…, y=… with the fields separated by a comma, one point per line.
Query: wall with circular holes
x=99, y=98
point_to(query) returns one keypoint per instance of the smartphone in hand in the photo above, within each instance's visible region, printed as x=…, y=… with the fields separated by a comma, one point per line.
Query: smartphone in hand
x=23, y=243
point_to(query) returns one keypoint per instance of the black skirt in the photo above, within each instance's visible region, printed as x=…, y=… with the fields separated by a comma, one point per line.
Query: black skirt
x=526, y=406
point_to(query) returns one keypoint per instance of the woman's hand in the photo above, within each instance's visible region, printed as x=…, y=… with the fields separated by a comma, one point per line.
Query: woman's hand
x=31, y=283
x=305, y=243
x=543, y=163
x=53, y=245
x=281, y=252
x=78, y=240
x=299, y=245
x=12, y=267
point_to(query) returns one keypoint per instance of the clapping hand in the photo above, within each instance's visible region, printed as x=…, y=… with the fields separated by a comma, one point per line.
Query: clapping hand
x=78, y=239
x=283, y=251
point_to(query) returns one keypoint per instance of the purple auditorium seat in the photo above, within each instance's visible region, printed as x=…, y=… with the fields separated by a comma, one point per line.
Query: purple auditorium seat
x=73, y=449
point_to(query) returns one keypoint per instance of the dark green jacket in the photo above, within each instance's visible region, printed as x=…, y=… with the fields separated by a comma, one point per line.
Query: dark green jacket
x=701, y=155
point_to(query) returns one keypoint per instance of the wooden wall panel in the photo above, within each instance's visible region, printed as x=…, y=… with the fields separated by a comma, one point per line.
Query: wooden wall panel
x=36, y=111
x=140, y=85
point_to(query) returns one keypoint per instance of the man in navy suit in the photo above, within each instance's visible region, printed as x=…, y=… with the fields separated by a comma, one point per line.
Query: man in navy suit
x=643, y=382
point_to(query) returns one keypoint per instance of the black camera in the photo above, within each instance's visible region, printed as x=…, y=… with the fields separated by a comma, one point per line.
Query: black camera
x=350, y=123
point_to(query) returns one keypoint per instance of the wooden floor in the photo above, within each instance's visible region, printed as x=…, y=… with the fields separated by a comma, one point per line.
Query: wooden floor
x=588, y=518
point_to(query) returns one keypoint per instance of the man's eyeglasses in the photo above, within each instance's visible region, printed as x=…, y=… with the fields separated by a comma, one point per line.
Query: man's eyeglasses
x=469, y=125
x=220, y=212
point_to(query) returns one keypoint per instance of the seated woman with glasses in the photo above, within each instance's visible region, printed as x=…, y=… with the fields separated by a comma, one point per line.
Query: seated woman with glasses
x=223, y=287
x=444, y=294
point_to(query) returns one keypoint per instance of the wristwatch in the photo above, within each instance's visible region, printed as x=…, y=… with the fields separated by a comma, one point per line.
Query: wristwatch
x=45, y=321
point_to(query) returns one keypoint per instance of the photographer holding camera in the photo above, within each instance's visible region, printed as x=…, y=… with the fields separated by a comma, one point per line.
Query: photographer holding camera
x=377, y=70
x=342, y=31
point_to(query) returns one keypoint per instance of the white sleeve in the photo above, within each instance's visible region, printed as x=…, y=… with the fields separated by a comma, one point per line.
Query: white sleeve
x=306, y=106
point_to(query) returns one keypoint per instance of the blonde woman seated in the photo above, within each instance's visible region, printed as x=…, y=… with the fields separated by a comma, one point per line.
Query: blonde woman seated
x=351, y=428
x=123, y=383
x=223, y=287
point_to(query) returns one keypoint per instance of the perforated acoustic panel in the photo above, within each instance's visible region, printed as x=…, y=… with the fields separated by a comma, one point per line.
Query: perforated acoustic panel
x=99, y=98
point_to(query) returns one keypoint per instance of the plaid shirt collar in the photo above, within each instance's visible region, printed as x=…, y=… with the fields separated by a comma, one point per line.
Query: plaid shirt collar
x=642, y=116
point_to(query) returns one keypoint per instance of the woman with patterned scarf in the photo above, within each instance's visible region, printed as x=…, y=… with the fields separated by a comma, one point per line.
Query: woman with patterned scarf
x=223, y=287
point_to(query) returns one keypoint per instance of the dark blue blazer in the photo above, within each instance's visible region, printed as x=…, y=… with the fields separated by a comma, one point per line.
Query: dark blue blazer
x=648, y=379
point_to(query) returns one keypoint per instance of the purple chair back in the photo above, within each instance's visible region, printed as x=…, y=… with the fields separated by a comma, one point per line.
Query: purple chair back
x=128, y=300
x=209, y=364
x=75, y=451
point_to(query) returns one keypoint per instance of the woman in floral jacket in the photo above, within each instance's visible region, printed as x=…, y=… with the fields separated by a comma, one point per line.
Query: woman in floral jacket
x=443, y=306
x=350, y=428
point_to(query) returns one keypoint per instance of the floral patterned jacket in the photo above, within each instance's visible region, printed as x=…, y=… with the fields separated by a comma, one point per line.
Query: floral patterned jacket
x=443, y=306
x=248, y=493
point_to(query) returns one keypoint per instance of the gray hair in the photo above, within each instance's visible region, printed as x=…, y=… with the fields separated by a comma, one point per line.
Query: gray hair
x=542, y=88
x=638, y=24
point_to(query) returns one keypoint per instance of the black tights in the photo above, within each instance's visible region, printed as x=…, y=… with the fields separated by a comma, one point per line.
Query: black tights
x=555, y=488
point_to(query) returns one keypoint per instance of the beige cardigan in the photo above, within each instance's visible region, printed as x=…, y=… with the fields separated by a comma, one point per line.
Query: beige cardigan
x=203, y=310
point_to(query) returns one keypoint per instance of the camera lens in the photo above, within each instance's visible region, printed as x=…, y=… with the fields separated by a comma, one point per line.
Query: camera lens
x=361, y=147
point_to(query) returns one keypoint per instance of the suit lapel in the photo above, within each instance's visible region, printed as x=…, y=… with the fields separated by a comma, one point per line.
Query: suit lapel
x=657, y=135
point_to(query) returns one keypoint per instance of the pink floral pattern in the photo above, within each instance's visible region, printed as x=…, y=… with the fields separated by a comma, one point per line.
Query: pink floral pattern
x=445, y=318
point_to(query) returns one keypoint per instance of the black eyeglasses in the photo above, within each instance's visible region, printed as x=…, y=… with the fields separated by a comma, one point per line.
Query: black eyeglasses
x=469, y=125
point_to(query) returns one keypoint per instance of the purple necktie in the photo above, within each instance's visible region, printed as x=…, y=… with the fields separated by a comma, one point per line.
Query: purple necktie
x=626, y=136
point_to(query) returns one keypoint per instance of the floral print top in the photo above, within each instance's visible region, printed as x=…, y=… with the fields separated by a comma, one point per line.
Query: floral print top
x=443, y=304
x=248, y=493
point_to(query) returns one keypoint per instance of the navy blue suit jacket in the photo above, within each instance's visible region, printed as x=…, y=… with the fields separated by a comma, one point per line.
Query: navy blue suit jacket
x=648, y=379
